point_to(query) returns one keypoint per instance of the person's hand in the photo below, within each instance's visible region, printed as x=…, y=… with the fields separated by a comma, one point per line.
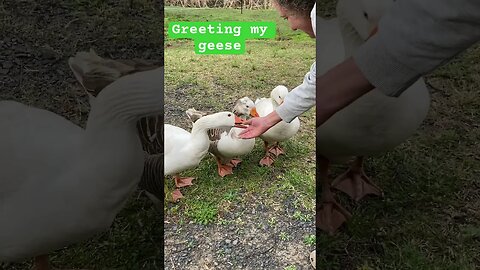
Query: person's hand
x=259, y=125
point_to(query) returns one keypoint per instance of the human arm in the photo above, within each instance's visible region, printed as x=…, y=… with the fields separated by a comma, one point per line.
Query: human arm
x=258, y=125
x=298, y=101
x=339, y=87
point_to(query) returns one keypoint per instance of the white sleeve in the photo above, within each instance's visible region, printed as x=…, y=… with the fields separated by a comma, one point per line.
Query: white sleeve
x=414, y=38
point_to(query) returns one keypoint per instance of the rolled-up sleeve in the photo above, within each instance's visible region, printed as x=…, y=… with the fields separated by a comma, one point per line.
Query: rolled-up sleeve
x=300, y=99
x=416, y=37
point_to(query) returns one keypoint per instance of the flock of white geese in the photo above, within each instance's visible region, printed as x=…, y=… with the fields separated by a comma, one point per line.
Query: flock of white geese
x=60, y=183
x=218, y=134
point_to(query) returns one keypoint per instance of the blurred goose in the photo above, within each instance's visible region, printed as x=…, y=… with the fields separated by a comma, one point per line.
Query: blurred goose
x=225, y=145
x=61, y=184
x=184, y=150
x=373, y=124
x=278, y=133
x=94, y=73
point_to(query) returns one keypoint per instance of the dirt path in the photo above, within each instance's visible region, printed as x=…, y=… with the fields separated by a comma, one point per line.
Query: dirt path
x=258, y=236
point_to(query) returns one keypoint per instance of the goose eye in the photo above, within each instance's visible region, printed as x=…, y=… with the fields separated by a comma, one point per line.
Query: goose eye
x=279, y=97
x=365, y=15
x=248, y=106
x=229, y=115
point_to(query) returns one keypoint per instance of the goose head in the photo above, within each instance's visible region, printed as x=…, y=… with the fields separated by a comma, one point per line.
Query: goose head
x=359, y=19
x=278, y=94
x=218, y=120
x=245, y=107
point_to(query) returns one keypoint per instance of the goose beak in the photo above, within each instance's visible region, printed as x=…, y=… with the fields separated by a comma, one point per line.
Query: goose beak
x=373, y=32
x=254, y=113
x=239, y=122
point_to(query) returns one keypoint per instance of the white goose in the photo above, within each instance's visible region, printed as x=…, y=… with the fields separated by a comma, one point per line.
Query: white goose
x=184, y=150
x=94, y=73
x=229, y=145
x=281, y=131
x=373, y=124
x=61, y=184
x=225, y=144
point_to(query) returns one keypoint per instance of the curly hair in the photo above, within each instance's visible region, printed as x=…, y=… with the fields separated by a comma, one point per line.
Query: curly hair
x=301, y=7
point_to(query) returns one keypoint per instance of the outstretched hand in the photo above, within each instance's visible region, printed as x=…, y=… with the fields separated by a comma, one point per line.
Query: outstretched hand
x=259, y=125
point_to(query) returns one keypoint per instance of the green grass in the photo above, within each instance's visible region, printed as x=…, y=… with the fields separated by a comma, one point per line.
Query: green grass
x=202, y=212
x=284, y=236
x=310, y=240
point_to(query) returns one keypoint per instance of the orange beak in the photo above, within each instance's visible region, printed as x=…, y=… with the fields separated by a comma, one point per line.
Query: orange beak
x=239, y=122
x=373, y=32
x=254, y=113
